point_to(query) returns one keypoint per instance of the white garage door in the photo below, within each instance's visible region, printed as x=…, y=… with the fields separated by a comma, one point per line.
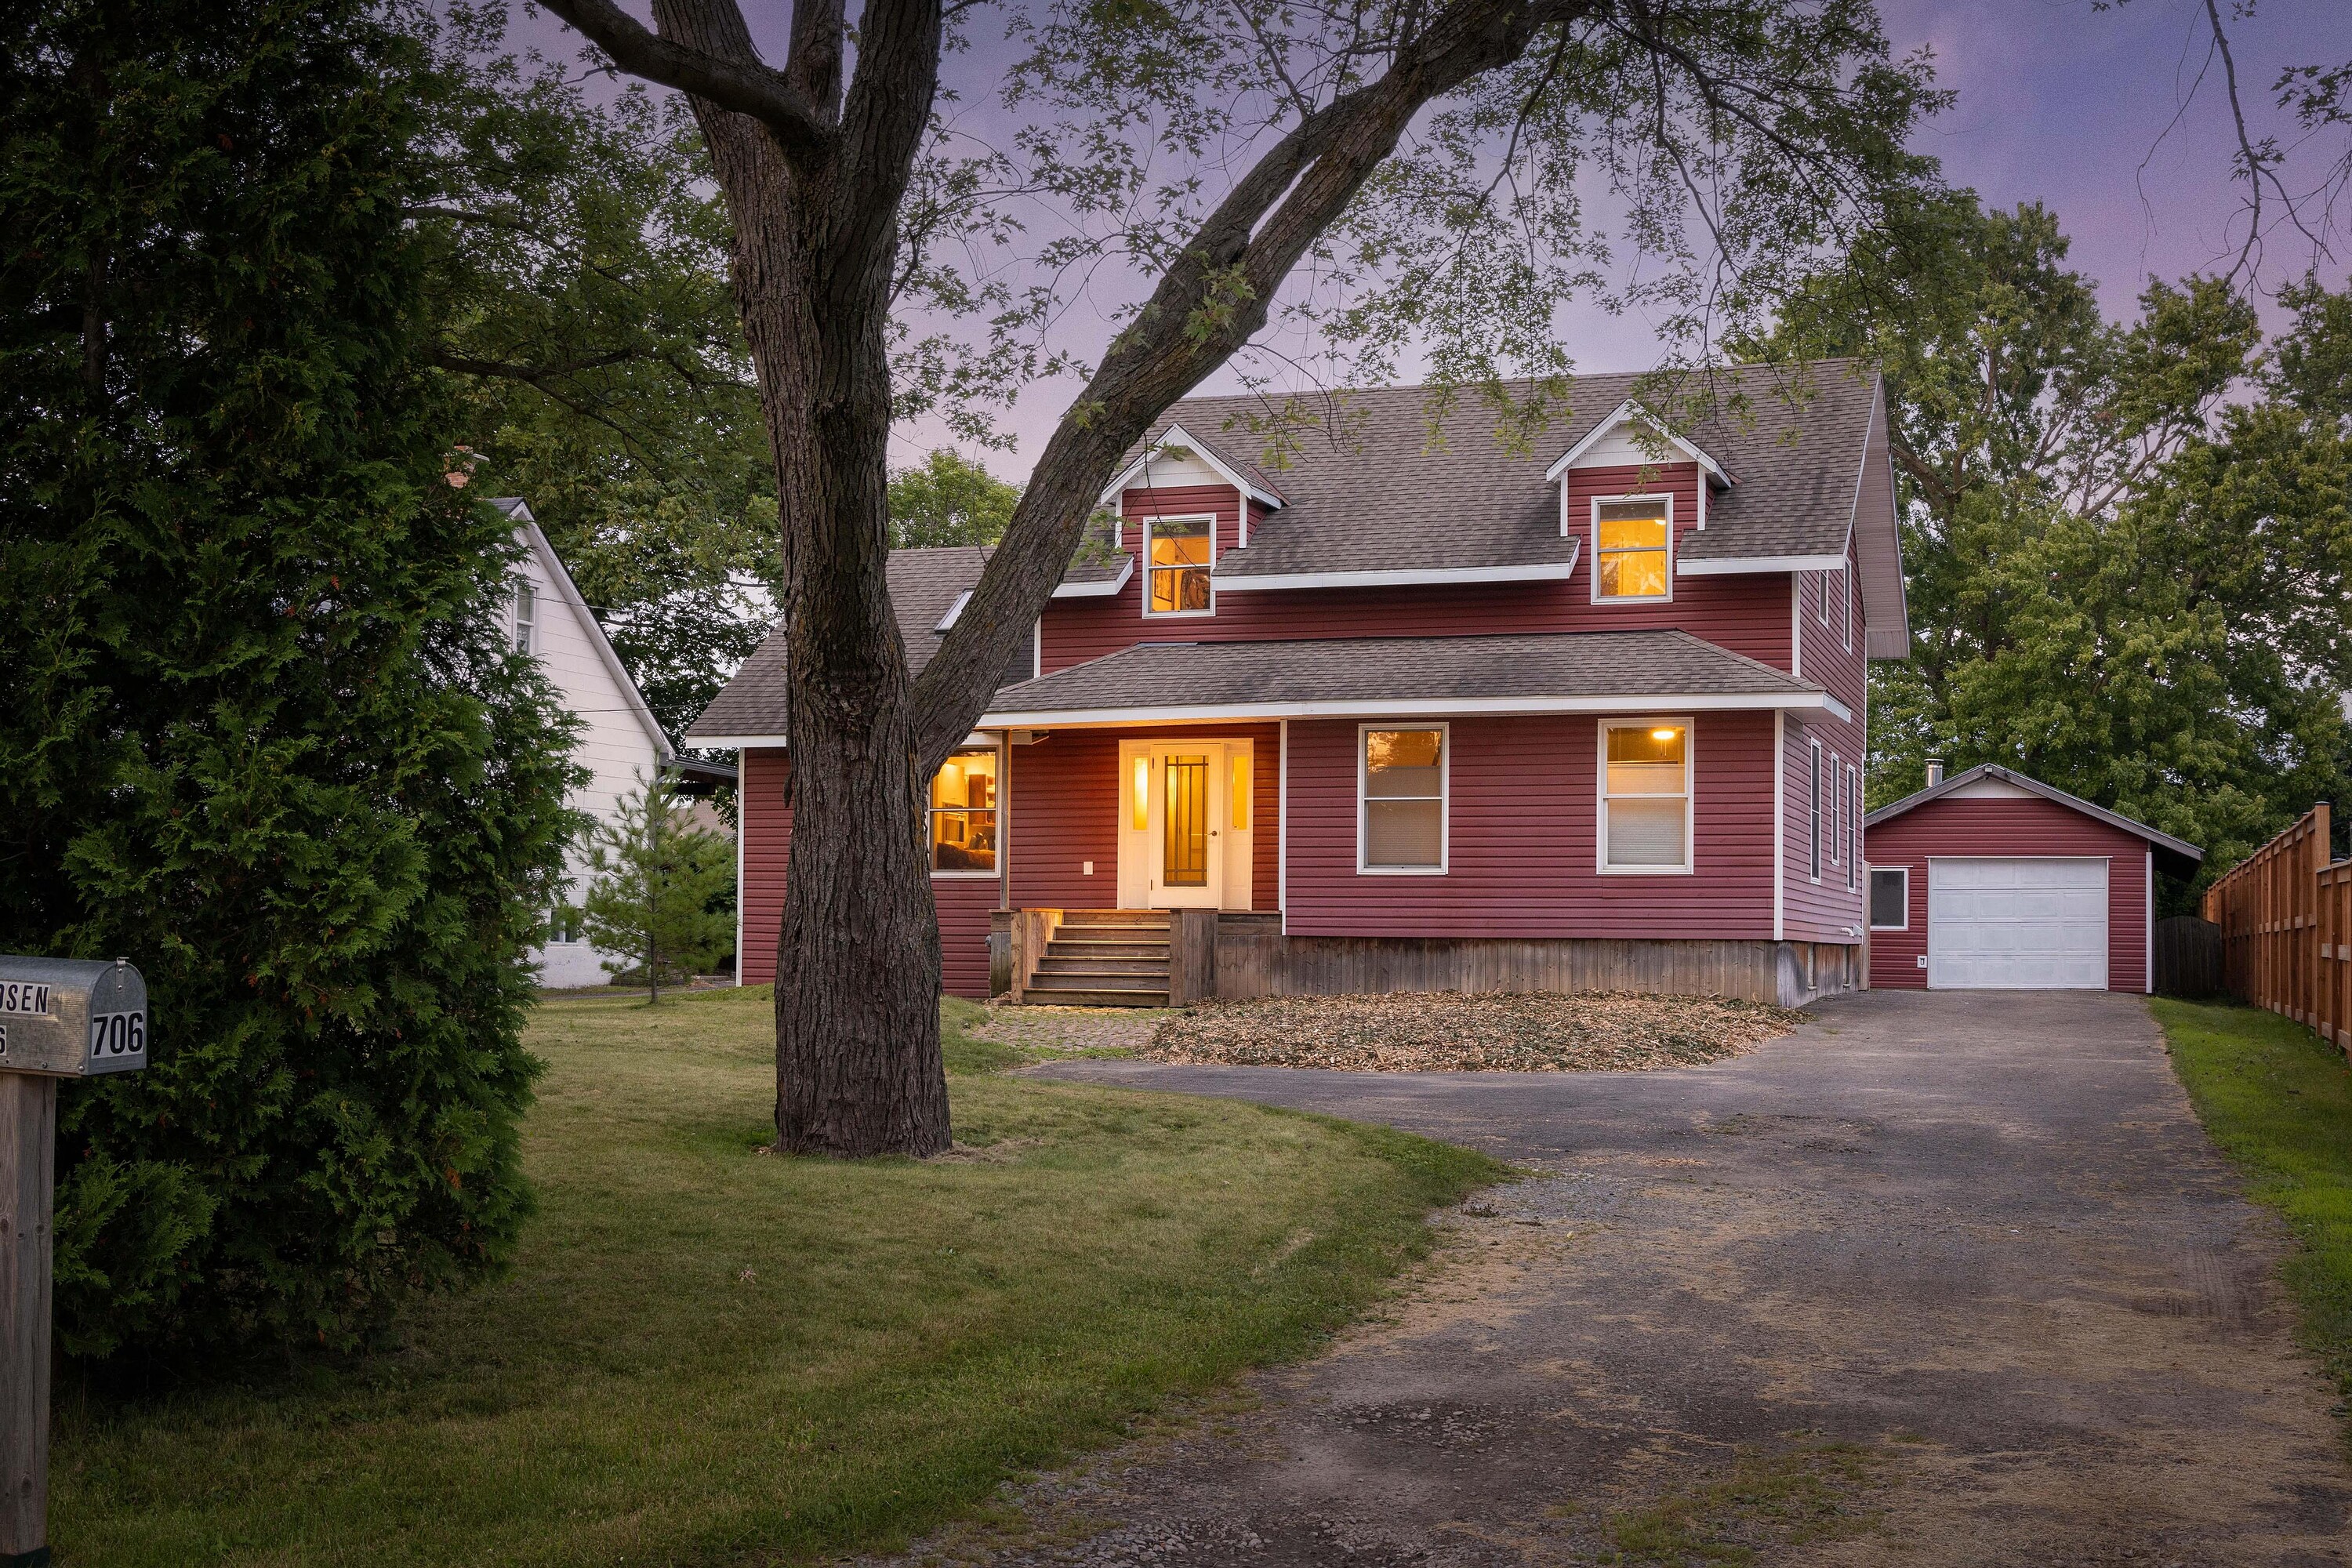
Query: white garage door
x=2032, y=923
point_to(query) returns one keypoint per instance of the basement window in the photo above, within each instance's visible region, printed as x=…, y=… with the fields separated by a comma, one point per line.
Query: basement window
x=963, y=815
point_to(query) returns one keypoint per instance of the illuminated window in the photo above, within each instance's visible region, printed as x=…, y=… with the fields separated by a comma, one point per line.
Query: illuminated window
x=1401, y=805
x=1631, y=548
x=1240, y=793
x=963, y=814
x=1178, y=552
x=1645, y=796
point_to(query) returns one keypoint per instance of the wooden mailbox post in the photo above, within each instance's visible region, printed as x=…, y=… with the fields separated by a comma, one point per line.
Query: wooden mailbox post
x=58, y=1018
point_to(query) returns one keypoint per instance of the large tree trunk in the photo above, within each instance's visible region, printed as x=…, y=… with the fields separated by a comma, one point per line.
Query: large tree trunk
x=857, y=961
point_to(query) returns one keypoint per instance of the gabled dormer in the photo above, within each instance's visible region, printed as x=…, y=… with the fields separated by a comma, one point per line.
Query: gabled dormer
x=1630, y=486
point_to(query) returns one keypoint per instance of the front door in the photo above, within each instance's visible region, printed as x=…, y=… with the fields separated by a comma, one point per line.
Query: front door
x=1181, y=841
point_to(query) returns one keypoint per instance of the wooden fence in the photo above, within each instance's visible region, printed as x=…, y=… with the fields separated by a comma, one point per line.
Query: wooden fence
x=2187, y=957
x=2285, y=914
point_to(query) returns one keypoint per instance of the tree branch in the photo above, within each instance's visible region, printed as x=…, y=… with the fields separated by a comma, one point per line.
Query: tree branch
x=750, y=90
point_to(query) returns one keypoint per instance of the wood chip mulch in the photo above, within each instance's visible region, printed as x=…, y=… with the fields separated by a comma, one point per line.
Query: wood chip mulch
x=1449, y=1032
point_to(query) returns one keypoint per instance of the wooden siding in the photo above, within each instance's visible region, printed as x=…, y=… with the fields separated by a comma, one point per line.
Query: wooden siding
x=1827, y=909
x=1746, y=614
x=1268, y=963
x=2001, y=828
x=2283, y=916
x=765, y=821
x=1522, y=814
x=1064, y=795
x=767, y=829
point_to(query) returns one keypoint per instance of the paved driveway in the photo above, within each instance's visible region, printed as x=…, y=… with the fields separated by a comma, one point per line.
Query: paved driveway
x=1935, y=1280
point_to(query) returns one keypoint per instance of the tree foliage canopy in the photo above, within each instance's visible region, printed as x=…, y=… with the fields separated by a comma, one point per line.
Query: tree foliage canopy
x=258, y=727
x=2129, y=544
x=947, y=499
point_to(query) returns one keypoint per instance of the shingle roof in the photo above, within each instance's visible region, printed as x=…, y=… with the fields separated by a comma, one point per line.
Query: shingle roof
x=1540, y=668
x=2179, y=857
x=1376, y=489
x=924, y=585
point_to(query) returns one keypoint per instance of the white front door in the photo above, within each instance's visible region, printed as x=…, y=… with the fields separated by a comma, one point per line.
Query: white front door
x=1181, y=843
x=2034, y=922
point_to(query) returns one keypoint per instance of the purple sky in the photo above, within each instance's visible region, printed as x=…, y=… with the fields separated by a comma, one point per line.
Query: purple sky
x=2057, y=102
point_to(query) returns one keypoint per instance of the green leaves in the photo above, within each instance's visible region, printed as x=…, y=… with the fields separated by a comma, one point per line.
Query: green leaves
x=946, y=499
x=258, y=727
x=659, y=893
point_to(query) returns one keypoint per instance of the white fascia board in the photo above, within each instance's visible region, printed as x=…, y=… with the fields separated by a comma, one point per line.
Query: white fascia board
x=1098, y=590
x=1174, y=436
x=1418, y=708
x=1837, y=710
x=1739, y=565
x=1542, y=572
x=602, y=644
x=1626, y=410
x=779, y=742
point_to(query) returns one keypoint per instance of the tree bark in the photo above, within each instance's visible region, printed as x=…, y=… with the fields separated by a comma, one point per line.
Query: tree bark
x=857, y=959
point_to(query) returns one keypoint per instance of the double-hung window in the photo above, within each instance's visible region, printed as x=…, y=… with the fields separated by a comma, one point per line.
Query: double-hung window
x=1853, y=826
x=1632, y=548
x=1645, y=795
x=1400, y=800
x=1178, y=553
x=1814, y=805
x=963, y=814
x=526, y=617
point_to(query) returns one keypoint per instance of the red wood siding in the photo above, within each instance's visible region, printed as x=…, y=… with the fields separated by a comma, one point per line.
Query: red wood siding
x=766, y=833
x=1827, y=909
x=1065, y=800
x=1748, y=613
x=1825, y=654
x=2001, y=827
x=767, y=840
x=1524, y=805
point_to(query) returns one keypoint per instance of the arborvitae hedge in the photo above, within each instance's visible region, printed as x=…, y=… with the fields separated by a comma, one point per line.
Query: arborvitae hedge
x=257, y=728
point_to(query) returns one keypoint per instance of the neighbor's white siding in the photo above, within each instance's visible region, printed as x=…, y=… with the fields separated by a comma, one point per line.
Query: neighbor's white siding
x=615, y=745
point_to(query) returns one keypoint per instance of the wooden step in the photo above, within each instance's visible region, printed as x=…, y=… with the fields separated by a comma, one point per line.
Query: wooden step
x=1124, y=954
x=1110, y=972
x=1114, y=916
x=1094, y=996
x=1090, y=931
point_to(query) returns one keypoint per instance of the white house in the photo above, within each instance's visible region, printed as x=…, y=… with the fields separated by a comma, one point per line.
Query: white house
x=621, y=743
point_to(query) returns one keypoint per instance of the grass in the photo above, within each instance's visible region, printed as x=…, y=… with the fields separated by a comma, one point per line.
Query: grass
x=707, y=1355
x=2277, y=1100
x=1770, y=1500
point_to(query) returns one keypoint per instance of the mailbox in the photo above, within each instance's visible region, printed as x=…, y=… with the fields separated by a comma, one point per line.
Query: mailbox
x=71, y=1017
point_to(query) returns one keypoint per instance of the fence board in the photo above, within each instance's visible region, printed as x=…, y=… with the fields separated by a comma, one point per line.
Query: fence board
x=2285, y=914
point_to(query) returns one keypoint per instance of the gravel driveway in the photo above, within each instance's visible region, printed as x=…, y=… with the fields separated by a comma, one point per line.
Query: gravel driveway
x=1943, y=1279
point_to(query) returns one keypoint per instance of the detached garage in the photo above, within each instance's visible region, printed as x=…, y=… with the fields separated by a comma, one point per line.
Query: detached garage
x=1990, y=880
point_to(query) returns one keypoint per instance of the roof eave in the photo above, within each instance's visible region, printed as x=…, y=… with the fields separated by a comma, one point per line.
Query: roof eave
x=1809, y=702
x=1176, y=436
x=1628, y=409
x=1271, y=581
x=1102, y=590
x=2033, y=786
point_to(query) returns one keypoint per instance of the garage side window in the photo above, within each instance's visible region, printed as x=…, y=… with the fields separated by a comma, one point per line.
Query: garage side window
x=1645, y=796
x=1890, y=900
x=1402, y=798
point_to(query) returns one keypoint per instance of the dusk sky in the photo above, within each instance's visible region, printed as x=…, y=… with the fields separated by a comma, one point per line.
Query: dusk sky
x=2058, y=102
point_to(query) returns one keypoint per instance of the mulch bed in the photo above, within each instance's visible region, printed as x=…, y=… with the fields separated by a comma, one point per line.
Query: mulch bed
x=1590, y=1031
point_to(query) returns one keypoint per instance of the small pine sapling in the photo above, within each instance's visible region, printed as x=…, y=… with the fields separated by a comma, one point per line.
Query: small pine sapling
x=655, y=878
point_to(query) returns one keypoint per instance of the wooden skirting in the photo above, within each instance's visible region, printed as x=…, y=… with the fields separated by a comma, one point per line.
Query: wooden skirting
x=1259, y=964
x=1234, y=957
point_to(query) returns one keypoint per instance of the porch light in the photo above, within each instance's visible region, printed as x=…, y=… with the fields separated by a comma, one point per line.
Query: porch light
x=1143, y=793
x=1662, y=735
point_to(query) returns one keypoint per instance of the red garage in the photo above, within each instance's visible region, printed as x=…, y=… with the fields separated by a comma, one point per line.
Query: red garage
x=1991, y=880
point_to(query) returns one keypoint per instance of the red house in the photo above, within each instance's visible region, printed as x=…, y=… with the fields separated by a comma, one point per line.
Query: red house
x=1990, y=878
x=1417, y=710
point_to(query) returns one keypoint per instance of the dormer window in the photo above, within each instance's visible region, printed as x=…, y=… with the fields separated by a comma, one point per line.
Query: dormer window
x=1178, y=553
x=1632, y=547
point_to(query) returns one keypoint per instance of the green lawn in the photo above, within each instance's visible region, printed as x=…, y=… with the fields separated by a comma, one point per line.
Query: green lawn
x=707, y=1355
x=2278, y=1100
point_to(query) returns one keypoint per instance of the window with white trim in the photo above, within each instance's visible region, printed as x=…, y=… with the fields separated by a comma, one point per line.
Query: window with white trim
x=1401, y=777
x=1178, y=553
x=1890, y=898
x=1632, y=548
x=1814, y=805
x=1821, y=596
x=963, y=814
x=1853, y=825
x=1837, y=810
x=1645, y=795
x=526, y=617
x=1845, y=603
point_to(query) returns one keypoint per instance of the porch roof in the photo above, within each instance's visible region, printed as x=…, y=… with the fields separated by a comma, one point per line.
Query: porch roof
x=1631, y=671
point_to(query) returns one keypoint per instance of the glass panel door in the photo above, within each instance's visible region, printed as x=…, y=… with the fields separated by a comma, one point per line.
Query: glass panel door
x=1184, y=824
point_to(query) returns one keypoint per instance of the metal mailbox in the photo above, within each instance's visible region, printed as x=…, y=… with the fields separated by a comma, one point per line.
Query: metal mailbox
x=71, y=1017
